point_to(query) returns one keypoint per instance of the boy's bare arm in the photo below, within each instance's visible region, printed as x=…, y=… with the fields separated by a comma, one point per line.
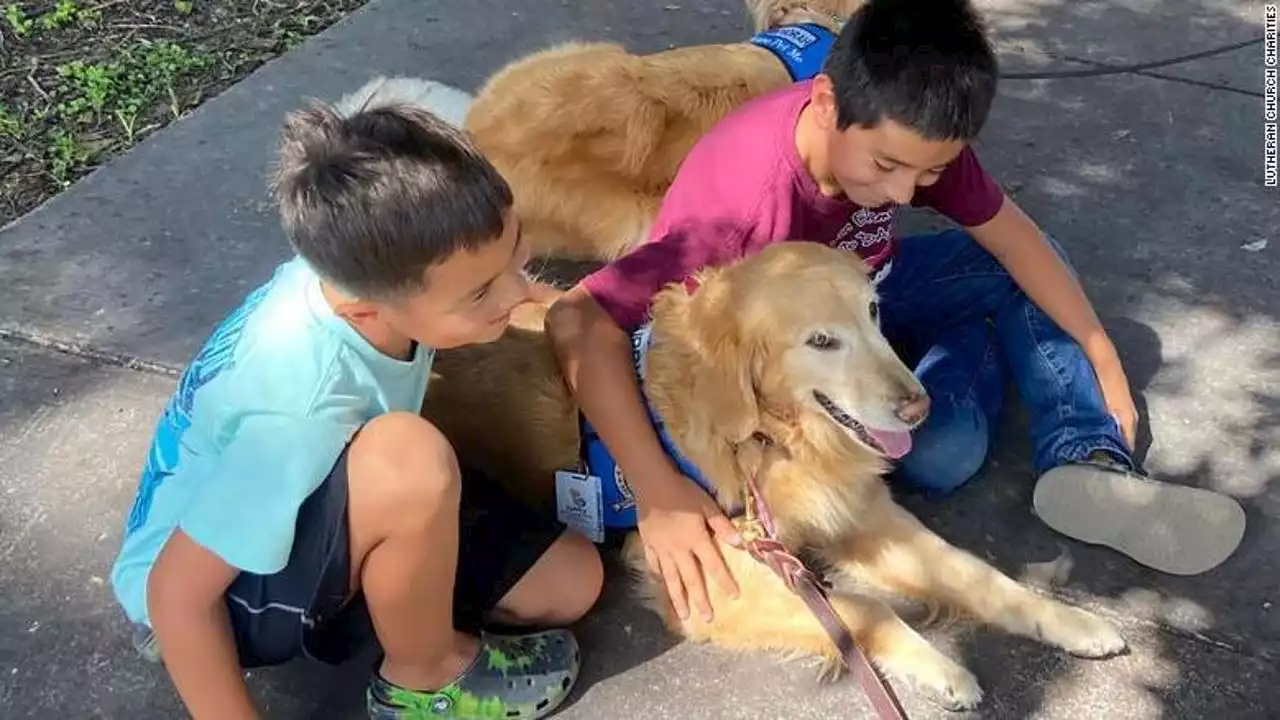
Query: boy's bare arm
x=595, y=355
x=1019, y=245
x=185, y=601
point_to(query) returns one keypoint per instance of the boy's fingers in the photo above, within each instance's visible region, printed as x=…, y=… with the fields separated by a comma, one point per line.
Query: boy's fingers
x=691, y=574
x=1128, y=426
x=651, y=559
x=723, y=528
x=675, y=589
x=714, y=565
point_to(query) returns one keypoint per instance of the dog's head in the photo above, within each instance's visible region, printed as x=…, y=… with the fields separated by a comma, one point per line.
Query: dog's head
x=785, y=343
x=832, y=14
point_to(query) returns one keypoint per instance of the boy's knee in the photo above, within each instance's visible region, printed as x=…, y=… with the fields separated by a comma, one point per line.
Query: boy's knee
x=402, y=462
x=562, y=587
x=587, y=572
x=948, y=451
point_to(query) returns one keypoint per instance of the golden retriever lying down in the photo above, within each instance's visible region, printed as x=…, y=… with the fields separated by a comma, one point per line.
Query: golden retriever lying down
x=590, y=135
x=783, y=344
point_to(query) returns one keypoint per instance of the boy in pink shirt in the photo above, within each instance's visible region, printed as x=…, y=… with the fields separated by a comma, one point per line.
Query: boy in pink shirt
x=888, y=123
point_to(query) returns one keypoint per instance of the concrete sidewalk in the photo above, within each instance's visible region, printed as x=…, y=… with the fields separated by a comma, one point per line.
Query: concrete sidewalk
x=1152, y=182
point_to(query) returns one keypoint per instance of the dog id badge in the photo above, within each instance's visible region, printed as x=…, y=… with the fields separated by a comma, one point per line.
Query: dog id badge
x=580, y=504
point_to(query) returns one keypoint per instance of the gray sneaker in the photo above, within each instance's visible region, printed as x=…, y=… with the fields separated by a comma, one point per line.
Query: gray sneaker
x=517, y=677
x=1175, y=529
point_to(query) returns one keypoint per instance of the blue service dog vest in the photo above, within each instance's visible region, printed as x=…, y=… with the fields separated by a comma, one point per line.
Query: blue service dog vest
x=619, y=501
x=801, y=48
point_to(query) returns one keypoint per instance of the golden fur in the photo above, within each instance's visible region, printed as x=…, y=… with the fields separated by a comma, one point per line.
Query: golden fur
x=728, y=361
x=590, y=135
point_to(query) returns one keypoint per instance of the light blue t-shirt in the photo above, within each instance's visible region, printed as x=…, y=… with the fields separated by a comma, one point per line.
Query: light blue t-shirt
x=256, y=423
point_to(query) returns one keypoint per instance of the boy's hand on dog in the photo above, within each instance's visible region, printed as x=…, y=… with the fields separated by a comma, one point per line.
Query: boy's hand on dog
x=679, y=525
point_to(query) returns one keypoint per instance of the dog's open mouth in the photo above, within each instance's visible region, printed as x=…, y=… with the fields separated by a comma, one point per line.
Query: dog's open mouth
x=893, y=443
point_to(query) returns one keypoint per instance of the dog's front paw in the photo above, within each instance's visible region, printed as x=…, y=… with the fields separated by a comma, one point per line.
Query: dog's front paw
x=946, y=682
x=961, y=690
x=1084, y=634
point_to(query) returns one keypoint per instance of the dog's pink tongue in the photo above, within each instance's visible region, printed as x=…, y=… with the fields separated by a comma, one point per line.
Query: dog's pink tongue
x=896, y=443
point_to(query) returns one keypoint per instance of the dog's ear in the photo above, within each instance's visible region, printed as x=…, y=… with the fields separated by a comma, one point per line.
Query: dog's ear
x=724, y=384
x=706, y=380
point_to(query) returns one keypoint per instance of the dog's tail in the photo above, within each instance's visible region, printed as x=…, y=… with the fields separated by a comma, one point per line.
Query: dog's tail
x=446, y=102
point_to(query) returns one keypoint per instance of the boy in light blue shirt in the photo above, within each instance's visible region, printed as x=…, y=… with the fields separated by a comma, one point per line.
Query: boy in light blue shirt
x=294, y=502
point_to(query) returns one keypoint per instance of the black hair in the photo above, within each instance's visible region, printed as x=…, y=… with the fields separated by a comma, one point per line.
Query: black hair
x=925, y=64
x=373, y=199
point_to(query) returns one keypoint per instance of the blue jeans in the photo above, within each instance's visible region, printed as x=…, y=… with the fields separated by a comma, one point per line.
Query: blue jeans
x=950, y=303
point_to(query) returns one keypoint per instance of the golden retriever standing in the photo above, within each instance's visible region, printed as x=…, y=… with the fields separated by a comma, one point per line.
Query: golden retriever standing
x=590, y=135
x=785, y=346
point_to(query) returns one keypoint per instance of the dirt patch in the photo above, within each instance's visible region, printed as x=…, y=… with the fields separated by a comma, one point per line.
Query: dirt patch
x=83, y=80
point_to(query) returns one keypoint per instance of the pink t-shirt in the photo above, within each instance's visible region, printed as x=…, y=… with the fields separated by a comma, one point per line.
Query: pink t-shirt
x=744, y=186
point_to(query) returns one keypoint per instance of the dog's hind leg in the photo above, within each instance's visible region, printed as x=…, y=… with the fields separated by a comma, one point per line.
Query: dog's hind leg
x=901, y=555
x=768, y=616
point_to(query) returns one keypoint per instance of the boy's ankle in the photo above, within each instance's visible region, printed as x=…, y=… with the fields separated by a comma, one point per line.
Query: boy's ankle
x=433, y=676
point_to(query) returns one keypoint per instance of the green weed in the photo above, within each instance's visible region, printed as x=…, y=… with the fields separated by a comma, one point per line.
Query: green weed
x=10, y=125
x=65, y=155
x=92, y=87
x=64, y=13
x=291, y=31
x=18, y=20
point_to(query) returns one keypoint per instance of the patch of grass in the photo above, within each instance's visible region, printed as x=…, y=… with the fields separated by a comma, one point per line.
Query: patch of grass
x=83, y=80
x=146, y=73
x=89, y=95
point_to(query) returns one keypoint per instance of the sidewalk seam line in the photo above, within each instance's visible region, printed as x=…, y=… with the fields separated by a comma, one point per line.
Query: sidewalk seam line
x=84, y=352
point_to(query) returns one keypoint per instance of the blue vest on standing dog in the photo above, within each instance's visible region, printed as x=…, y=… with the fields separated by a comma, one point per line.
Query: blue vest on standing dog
x=619, y=501
x=801, y=48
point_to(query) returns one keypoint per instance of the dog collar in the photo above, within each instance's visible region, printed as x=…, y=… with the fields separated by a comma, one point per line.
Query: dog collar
x=802, y=49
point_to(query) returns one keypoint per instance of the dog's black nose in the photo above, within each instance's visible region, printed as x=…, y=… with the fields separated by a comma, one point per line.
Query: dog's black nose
x=912, y=409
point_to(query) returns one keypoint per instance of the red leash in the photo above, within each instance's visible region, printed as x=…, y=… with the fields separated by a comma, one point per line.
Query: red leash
x=803, y=582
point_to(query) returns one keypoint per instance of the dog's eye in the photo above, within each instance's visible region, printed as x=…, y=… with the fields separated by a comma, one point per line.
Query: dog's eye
x=875, y=311
x=822, y=341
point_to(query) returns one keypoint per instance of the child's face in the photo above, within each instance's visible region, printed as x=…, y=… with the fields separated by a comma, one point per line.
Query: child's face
x=469, y=297
x=878, y=165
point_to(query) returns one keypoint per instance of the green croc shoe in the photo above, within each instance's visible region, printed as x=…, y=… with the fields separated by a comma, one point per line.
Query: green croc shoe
x=516, y=677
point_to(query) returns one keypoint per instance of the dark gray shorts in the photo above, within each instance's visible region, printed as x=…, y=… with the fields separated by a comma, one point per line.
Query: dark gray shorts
x=304, y=608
